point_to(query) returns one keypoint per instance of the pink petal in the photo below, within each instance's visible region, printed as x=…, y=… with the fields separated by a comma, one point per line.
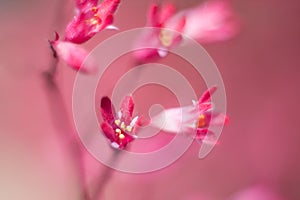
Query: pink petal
x=175, y=120
x=139, y=122
x=215, y=119
x=207, y=94
x=219, y=119
x=78, y=31
x=149, y=38
x=205, y=134
x=157, y=16
x=166, y=12
x=108, y=131
x=152, y=15
x=107, y=110
x=126, y=109
x=108, y=7
x=74, y=56
x=213, y=21
x=123, y=142
x=85, y=4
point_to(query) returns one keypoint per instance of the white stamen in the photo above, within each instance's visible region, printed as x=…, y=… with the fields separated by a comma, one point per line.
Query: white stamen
x=115, y=145
x=119, y=114
x=133, y=121
x=134, y=136
x=162, y=52
x=112, y=27
x=195, y=102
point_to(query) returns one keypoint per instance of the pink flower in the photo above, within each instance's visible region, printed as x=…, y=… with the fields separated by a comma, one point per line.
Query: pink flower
x=193, y=120
x=119, y=128
x=73, y=55
x=90, y=19
x=257, y=192
x=213, y=21
x=166, y=36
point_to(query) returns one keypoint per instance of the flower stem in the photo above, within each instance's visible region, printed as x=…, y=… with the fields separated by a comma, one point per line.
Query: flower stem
x=102, y=181
x=62, y=124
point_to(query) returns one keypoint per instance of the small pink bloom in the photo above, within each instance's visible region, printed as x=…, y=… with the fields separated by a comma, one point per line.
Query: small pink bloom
x=119, y=128
x=192, y=120
x=257, y=192
x=90, y=19
x=74, y=56
x=166, y=36
x=212, y=21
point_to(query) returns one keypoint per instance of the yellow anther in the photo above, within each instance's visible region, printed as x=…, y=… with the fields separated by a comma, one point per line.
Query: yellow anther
x=121, y=136
x=201, y=121
x=94, y=9
x=118, y=131
x=129, y=128
x=117, y=122
x=94, y=21
x=123, y=126
x=165, y=38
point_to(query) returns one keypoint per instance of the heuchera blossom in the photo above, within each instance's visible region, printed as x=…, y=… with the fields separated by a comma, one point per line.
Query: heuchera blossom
x=167, y=32
x=120, y=128
x=90, y=18
x=193, y=120
x=212, y=21
x=73, y=55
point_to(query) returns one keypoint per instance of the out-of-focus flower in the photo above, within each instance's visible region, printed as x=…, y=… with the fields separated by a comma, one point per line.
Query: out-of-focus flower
x=119, y=128
x=90, y=19
x=212, y=21
x=167, y=32
x=73, y=55
x=257, y=192
x=193, y=120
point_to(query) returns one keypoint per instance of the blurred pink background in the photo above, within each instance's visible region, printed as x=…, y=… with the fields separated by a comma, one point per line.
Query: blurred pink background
x=259, y=148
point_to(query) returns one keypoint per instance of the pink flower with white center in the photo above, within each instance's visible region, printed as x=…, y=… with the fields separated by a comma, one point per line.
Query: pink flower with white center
x=90, y=19
x=166, y=36
x=73, y=55
x=193, y=120
x=212, y=21
x=120, y=128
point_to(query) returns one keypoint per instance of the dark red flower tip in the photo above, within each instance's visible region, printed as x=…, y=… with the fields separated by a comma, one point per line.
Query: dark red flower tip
x=107, y=109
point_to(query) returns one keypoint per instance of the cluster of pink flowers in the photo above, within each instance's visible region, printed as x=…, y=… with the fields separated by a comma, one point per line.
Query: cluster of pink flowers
x=120, y=128
x=212, y=21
